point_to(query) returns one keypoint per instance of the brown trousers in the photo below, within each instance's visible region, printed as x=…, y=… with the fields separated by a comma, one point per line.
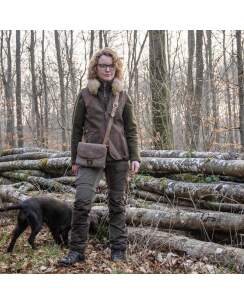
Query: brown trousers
x=86, y=182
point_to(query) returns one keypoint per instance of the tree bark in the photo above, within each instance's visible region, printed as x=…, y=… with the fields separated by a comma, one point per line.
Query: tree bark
x=162, y=125
x=171, y=218
x=240, y=85
x=18, y=93
x=190, y=88
x=7, y=79
x=36, y=110
x=92, y=43
x=6, y=152
x=34, y=155
x=215, y=253
x=233, y=193
x=196, y=204
x=62, y=94
x=54, y=166
x=44, y=80
x=194, y=165
x=215, y=111
x=188, y=154
x=196, y=109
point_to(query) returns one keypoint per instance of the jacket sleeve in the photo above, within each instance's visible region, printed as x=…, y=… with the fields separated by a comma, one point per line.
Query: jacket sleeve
x=78, y=120
x=131, y=130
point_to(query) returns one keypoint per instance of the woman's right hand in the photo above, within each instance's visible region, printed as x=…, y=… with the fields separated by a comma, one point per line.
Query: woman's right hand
x=75, y=169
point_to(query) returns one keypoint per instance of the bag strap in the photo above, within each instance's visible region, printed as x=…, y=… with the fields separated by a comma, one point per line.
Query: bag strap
x=110, y=122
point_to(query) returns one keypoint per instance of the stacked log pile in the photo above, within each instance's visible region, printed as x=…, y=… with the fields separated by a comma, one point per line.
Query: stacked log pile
x=188, y=202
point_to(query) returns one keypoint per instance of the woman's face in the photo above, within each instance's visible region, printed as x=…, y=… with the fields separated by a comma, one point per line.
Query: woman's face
x=105, y=68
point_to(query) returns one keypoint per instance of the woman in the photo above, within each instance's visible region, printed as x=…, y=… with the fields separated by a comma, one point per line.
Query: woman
x=90, y=118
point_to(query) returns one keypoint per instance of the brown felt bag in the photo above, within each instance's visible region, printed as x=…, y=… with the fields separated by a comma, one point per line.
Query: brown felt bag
x=94, y=155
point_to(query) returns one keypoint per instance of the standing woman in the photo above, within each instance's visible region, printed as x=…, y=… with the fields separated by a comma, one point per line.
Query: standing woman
x=90, y=118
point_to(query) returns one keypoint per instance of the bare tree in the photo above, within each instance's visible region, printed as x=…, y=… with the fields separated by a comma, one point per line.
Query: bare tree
x=162, y=126
x=198, y=91
x=44, y=81
x=92, y=43
x=240, y=85
x=100, y=39
x=190, y=87
x=228, y=96
x=36, y=111
x=7, y=79
x=69, y=47
x=62, y=91
x=18, y=92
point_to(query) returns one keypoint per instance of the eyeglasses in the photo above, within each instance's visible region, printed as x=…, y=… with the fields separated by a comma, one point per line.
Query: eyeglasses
x=105, y=66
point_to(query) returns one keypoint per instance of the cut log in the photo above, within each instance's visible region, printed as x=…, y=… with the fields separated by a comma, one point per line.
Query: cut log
x=188, y=154
x=171, y=218
x=11, y=194
x=216, y=206
x=215, y=253
x=5, y=181
x=49, y=184
x=195, y=165
x=22, y=175
x=228, y=192
x=33, y=155
x=25, y=150
x=57, y=166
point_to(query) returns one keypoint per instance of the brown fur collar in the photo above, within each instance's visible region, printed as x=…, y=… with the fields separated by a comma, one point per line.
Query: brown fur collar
x=94, y=84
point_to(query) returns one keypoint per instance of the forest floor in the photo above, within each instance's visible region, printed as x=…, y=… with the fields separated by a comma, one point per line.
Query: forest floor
x=139, y=260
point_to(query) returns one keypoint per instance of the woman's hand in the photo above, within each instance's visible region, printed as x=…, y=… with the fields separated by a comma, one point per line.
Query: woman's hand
x=134, y=166
x=75, y=169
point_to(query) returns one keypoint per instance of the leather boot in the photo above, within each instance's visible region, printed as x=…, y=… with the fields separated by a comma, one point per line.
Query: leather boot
x=118, y=255
x=71, y=258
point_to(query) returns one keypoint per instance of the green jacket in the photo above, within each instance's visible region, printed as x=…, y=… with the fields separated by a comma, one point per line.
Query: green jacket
x=90, y=117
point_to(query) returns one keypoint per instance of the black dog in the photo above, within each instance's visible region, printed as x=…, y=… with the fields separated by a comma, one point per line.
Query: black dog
x=36, y=211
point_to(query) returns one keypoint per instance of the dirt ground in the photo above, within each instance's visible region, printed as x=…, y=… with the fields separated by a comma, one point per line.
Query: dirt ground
x=139, y=260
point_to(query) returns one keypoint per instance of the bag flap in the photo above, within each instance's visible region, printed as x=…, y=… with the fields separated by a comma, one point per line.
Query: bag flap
x=91, y=151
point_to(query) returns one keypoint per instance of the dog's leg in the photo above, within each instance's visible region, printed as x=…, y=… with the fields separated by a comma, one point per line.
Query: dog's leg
x=36, y=226
x=65, y=236
x=20, y=228
x=56, y=236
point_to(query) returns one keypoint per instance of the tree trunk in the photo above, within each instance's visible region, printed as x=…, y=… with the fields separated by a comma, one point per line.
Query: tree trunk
x=62, y=94
x=196, y=109
x=25, y=150
x=197, y=204
x=54, y=166
x=69, y=59
x=215, y=115
x=162, y=125
x=188, y=154
x=190, y=88
x=240, y=85
x=100, y=39
x=18, y=93
x=33, y=155
x=92, y=44
x=223, y=192
x=228, y=97
x=36, y=111
x=215, y=253
x=171, y=218
x=44, y=80
x=7, y=79
x=194, y=165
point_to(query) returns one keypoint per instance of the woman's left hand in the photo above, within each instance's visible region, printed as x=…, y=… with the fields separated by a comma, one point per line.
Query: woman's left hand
x=134, y=167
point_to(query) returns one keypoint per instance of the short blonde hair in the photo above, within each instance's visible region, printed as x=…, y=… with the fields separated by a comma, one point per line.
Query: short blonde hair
x=117, y=61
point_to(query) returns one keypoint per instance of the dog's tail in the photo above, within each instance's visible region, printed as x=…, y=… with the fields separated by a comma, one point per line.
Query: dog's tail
x=11, y=207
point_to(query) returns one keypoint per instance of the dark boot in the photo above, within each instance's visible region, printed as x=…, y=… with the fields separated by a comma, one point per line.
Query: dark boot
x=118, y=255
x=72, y=258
